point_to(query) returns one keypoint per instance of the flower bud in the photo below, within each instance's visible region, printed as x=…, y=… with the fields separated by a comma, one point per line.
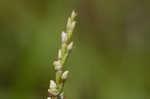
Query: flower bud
x=48, y=97
x=73, y=25
x=64, y=37
x=65, y=75
x=53, y=88
x=62, y=95
x=53, y=92
x=58, y=67
x=52, y=85
x=69, y=22
x=56, y=63
x=69, y=48
x=73, y=15
x=59, y=54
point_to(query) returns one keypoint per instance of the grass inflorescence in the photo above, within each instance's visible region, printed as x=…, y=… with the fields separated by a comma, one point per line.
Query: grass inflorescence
x=56, y=87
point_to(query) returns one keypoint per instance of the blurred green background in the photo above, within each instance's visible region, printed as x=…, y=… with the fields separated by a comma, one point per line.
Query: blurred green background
x=110, y=60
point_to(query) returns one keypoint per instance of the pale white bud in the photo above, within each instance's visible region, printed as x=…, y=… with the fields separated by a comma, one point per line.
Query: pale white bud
x=62, y=95
x=69, y=25
x=73, y=15
x=59, y=54
x=58, y=67
x=64, y=37
x=73, y=25
x=48, y=97
x=69, y=48
x=52, y=84
x=69, y=22
x=65, y=75
x=56, y=63
x=53, y=92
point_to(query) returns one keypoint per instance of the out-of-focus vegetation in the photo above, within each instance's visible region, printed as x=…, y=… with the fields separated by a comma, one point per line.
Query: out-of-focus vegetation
x=110, y=59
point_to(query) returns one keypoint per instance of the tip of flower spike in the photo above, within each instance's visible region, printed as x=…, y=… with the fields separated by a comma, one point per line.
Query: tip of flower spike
x=71, y=22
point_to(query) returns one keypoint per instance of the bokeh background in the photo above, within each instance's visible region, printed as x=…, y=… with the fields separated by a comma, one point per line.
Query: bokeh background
x=110, y=59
